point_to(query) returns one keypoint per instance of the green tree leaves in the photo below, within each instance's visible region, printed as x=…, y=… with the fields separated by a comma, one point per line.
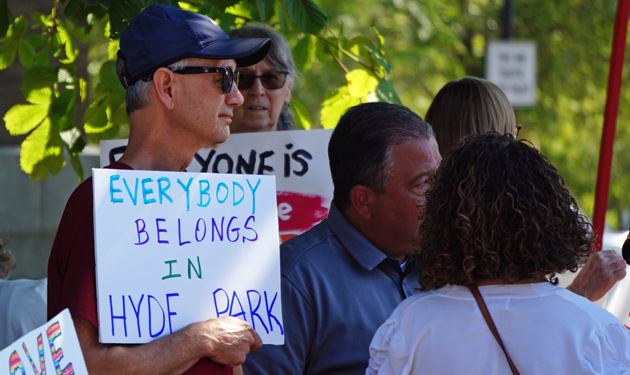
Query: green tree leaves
x=23, y=118
x=58, y=95
x=305, y=15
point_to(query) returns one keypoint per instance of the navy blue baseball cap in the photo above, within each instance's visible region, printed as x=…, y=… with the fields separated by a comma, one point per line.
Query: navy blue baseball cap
x=161, y=35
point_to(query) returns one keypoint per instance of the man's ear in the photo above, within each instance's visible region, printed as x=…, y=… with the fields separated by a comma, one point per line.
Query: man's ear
x=163, y=80
x=361, y=199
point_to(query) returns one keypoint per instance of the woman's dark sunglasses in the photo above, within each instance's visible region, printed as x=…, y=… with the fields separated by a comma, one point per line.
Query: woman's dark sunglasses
x=270, y=80
x=229, y=77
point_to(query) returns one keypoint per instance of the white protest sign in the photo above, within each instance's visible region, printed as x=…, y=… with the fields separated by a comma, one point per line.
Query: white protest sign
x=173, y=248
x=512, y=67
x=53, y=346
x=298, y=159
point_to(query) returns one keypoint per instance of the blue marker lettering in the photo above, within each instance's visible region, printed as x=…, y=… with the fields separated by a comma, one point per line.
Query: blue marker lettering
x=253, y=189
x=147, y=191
x=242, y=313
x=137, y=311
x=162, y=190
x=200, y=229
x=251, y=218
x=216, y=305
x=179, y=233
x=134, y=196
x=112, y=190
x=227, y=192
x=270, y=314
x=123, y=316
x=141, y=231
x=187, y=190
x=234, y=201
x=204, y=187
x=168, y=310
x=160, y=230
x=253, y=312
x=150, y=297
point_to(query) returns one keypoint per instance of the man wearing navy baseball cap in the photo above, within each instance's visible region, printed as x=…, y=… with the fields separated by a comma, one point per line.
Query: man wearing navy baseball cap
x=178, y=69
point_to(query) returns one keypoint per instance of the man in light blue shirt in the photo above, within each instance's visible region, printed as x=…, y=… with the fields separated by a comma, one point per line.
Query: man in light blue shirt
x=345, y=276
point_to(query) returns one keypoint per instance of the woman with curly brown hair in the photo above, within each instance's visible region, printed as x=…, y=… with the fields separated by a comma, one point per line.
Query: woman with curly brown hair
x=501, y=219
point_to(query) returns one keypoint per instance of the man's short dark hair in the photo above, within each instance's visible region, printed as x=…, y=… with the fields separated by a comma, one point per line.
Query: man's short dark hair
x=359, y=147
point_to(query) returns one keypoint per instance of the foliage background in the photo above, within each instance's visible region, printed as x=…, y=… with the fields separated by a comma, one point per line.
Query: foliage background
x=347, y=52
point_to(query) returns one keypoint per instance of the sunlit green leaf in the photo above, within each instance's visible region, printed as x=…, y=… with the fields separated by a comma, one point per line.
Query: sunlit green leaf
x=304, y=52
x=42, y=152
x=73, y=139
x=361, y=83
x=22, y=118
x=335, y=105
x=66, y=76
x=26, y=53
x=112, y=48
x=306, y=15
x=41, y=21
x=222, y=4
x=67, y=41
x=300, y=114
x=82, y=89
x=7, y=53
x=39, y=96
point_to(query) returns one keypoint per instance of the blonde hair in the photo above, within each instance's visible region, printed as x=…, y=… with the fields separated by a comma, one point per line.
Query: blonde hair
x=466, y=107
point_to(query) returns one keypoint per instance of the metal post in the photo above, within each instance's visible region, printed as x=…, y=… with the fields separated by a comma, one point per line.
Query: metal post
x=506, y=20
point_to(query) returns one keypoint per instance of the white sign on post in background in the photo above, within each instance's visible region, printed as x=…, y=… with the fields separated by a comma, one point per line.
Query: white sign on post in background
x=53, y=347
x=512, y=67
x=173, y=248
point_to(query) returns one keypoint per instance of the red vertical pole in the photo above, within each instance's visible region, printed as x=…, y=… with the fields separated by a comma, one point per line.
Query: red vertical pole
x=610, y=119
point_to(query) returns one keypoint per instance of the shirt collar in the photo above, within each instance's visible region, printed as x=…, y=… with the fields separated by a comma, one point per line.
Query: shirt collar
x=362, y=250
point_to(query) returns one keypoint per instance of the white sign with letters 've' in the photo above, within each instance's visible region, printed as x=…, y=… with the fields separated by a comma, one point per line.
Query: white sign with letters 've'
x=53, y=347
x=173, y=248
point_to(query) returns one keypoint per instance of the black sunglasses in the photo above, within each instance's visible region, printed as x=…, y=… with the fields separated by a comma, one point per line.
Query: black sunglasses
x=270, y=80
x=229, y=76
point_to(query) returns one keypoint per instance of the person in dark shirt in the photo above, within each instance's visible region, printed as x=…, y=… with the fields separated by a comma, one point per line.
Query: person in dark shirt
x=178, y=69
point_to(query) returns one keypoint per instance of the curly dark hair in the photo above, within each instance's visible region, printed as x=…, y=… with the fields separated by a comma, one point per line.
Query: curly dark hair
x=498, y=210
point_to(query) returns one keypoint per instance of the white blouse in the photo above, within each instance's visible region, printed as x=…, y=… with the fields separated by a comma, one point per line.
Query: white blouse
x=545, y=329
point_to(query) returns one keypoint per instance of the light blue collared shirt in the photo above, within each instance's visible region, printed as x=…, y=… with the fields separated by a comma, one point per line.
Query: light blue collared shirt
x=337, y=289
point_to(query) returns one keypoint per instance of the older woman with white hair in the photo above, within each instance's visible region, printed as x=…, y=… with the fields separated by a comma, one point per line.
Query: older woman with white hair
x=266, y=86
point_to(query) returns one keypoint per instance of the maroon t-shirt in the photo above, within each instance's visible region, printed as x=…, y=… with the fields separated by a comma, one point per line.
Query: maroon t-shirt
x=71, y=267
